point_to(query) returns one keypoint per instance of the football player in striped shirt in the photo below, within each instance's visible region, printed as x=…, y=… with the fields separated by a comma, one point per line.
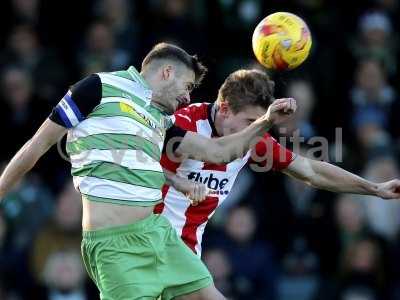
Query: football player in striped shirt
x=240, y=101
x=117, y=123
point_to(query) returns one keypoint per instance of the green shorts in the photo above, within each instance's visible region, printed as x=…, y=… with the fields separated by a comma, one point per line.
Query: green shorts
x=143, y=260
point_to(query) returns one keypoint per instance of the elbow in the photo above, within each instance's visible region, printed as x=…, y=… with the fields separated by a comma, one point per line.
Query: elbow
x=312, y=181
x=319, y=181
x=311, y=176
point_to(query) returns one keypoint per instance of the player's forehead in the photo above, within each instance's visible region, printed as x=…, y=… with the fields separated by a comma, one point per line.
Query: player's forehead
x=251, y=112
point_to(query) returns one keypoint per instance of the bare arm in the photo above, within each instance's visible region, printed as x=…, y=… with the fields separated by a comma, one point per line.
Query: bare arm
x=326, y=176
x=46, y=136
x=230, y=147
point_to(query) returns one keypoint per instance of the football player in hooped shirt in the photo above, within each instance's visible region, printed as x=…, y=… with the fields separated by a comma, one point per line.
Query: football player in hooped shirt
x=238, y=105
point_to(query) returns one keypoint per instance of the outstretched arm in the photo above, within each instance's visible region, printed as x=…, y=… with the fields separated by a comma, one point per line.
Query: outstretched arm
x=326, y=176
x=230, y=147
x=46, y=136
x=76, y=104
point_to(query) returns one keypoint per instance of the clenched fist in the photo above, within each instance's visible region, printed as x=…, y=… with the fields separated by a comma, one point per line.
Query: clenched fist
x=281, y=110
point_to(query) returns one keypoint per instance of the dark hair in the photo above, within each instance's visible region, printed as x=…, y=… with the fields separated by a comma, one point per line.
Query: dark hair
x=173, y=52
x=244, y=88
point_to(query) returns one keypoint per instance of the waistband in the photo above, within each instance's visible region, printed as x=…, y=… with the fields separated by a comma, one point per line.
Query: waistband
x=138, y=226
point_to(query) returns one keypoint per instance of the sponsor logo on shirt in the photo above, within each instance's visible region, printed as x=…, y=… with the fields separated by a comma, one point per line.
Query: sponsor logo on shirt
x=211, y=181
x=130, y=110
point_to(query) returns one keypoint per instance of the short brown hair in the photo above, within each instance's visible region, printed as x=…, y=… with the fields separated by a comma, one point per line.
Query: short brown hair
x=175, y=53
x=247, y=88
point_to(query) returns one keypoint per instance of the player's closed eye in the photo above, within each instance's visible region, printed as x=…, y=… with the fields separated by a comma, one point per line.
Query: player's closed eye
x=190, y=87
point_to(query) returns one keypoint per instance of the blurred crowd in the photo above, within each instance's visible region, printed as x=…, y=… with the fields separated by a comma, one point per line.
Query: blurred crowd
x=275, y=238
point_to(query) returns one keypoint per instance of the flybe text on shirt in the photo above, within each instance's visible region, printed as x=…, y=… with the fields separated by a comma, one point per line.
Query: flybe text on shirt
x=211, y=181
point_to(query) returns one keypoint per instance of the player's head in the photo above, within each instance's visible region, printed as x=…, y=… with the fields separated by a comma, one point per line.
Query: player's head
x=243, y=97
x=172, y=74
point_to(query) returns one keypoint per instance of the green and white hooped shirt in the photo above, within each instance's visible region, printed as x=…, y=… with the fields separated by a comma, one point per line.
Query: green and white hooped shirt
x=115, y=138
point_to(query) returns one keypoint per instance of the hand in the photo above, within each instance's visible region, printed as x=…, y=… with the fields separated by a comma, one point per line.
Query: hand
x=281, y=110
x=197, y=193
x=389, y=189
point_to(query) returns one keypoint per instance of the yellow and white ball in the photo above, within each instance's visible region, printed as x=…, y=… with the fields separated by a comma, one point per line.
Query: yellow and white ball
x=281, y=41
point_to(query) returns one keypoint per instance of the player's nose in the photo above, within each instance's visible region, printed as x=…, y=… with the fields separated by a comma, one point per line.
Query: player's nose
x=186, y=98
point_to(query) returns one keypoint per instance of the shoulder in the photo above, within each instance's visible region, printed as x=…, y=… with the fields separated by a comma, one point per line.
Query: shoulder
x=266, y=140
x=188, y=116
x=196, y=111
x=89, y=82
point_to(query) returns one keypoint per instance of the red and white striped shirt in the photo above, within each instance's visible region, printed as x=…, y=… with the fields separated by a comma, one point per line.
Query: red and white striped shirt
x=190, y=221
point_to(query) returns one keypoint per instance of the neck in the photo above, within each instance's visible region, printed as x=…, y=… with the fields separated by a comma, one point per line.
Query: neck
x=217, y=119
x=158, y=106
x=147, y=78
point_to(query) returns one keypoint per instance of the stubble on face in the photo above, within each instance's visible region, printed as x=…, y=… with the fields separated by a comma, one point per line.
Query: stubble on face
x=173, y=92
x=176, y=93
x=169, y=94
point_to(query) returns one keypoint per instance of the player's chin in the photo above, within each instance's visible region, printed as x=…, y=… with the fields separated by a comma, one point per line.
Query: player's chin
x=180, y=104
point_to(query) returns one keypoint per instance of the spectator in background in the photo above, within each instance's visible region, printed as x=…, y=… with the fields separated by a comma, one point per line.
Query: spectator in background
x=26, y=11
x=178, y=21
x=118, y=14
x=25, y=51
x=253, y=263
x=312, y=218
x=301, y=195
x=236, y=19
x=64, y=276
x=362, y=272
x=391, y=9
x=372, y=98
x=8, y=259
x=300, y=279
x=63, y=231
x=17, y=92
x=240, y=15
x=376, y=40
x=220, y=267
x=329, y=236
x=303, y=92
x=350, y=222
x=382, y=216
x=20, y=218
x=25, y=210
x=21, y=109
x=100, y=52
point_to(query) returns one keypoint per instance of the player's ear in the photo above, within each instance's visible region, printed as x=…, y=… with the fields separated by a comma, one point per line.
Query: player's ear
x=167, y=72
x=224, y=108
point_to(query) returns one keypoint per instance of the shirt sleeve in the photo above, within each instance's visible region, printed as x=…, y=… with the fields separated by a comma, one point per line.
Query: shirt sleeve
x=268, y=153
x=78, y=102
x=174, y=132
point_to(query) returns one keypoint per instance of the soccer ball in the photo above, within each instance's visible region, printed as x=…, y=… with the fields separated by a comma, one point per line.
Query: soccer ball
x=281, y=41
